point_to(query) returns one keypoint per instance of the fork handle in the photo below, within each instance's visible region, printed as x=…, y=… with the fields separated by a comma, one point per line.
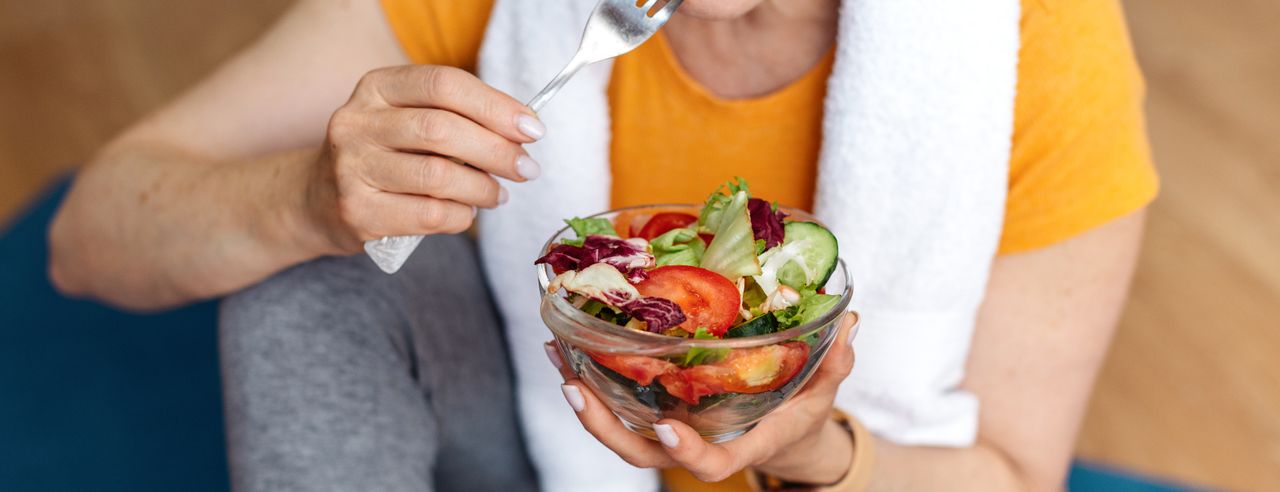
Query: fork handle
x=554, y=86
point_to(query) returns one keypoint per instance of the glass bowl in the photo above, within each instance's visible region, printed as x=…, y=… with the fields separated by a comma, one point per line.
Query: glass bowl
x=717, y=417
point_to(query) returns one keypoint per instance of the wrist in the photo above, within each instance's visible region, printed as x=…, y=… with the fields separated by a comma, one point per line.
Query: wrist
x=821, y=458
x=303, y=223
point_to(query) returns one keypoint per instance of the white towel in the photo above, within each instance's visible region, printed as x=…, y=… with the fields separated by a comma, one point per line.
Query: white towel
x=912, y=179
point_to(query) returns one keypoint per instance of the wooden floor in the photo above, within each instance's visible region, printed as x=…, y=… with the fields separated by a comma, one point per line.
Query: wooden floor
x=1192, y=387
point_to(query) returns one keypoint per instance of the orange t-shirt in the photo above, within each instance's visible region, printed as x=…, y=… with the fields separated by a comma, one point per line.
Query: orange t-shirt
x=1080, y=155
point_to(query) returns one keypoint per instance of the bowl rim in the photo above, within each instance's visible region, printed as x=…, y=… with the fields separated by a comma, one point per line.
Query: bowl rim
x=658, y=341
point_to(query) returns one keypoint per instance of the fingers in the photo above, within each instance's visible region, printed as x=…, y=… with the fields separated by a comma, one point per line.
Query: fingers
x=558, y=360
x=796, y=420
x=813, y=402
x=433, y=176
x=386, y=168
x=455, y=90
x=633, y=448
x=394, y=214
x=708, y=462
x=838, y=363
x=442, y=132
x=803, y=415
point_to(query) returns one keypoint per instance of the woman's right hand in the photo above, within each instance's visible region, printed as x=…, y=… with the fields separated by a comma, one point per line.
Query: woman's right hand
x=392, y=163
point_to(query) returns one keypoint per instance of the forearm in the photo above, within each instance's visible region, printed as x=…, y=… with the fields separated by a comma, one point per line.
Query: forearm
x=146, y=227
x=978, y=468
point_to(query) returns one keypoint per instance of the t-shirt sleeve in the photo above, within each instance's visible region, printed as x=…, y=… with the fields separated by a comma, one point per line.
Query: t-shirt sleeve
x=439, y=32
x=1080, y=153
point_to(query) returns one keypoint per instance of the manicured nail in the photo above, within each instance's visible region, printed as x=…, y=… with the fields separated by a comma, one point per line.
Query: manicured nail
x=554, y=355
x=503, y=196
x=853, y=332
x=474, y=212
x=528, y=168
x=574, y=397
x=531, y=127
x=666, y=435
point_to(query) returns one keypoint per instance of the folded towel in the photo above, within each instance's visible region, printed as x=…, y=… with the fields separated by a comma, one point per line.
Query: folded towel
x=912, y=179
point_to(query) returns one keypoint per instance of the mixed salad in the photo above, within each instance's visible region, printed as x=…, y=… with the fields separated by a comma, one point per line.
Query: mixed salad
x=739, y=268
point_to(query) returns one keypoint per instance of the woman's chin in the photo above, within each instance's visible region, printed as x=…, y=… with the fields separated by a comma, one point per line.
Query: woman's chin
x=718, y=9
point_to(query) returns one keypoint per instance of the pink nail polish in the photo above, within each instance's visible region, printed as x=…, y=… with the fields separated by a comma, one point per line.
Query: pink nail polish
x=666, y=435
x=554, y=355
x=574, y=396
x=531, y=127
x=528, y=168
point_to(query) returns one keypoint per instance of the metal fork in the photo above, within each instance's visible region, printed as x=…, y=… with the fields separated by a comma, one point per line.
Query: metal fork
x=614, y=28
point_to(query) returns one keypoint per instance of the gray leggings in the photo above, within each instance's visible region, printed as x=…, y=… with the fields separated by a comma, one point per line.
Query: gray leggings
x=339, y=377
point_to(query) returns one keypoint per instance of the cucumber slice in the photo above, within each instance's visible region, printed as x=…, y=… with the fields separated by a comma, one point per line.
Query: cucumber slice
x=819, y=253
x=759, y=325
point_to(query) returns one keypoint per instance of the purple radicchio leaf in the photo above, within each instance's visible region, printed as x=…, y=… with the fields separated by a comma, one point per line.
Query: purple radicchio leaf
x=563, y=257
x=766, y=223
x=630, y=257
x=658, y=314
x=619, y=297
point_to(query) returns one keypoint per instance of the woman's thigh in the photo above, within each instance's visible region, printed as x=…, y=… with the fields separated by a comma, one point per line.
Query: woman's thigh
x=340, y=377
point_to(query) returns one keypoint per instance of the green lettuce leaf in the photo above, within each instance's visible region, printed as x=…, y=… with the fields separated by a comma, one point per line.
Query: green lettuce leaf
x=678, y=247
x=605, y=312
x=811, y=306
x=732, y=252
x=699, y=355
x=717, y=202
x=587, y=227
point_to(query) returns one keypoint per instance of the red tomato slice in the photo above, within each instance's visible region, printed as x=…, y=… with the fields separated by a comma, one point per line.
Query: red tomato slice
x=663, y=222
x=707, y=299
x=753, y=370
x=629, y=222
x=637, y=368
x=679, y=387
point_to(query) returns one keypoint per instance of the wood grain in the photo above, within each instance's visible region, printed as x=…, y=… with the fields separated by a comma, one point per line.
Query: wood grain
x=1191, y=389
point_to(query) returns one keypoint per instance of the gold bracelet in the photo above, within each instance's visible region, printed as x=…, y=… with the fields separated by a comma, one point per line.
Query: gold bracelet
x=855, y=479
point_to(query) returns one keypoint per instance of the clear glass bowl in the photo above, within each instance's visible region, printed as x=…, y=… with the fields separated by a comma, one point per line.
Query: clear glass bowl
x=717, y=417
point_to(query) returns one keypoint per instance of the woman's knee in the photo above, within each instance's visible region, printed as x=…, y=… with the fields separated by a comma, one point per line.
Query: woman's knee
x=337, y=302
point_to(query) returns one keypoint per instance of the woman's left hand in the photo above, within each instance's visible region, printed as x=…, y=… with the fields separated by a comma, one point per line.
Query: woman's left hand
x=797, y=442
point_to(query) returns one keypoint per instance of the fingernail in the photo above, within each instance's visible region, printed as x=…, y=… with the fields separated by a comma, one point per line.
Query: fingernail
x=528, y=168
x=474, y=212
x=574, y=397
x=531, y=127
x=503, y=196
x=666, y=435
x=554, y=355
x=853, y=332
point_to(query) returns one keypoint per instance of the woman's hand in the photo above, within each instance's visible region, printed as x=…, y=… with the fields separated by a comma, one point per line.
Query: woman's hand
x=392, y=163
x=798, y=442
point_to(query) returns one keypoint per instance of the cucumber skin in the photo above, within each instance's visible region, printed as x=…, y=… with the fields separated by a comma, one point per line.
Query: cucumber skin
x=759, y=325
x=793, y=270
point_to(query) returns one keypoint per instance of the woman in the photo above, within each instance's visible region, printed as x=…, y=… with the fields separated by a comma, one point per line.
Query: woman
x=232, y=183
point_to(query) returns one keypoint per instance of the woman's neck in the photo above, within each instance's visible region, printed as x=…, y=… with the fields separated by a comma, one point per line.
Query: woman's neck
x=759, y=52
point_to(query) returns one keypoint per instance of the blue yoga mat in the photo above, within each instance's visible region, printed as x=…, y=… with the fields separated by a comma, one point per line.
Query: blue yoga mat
x=96, y=399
